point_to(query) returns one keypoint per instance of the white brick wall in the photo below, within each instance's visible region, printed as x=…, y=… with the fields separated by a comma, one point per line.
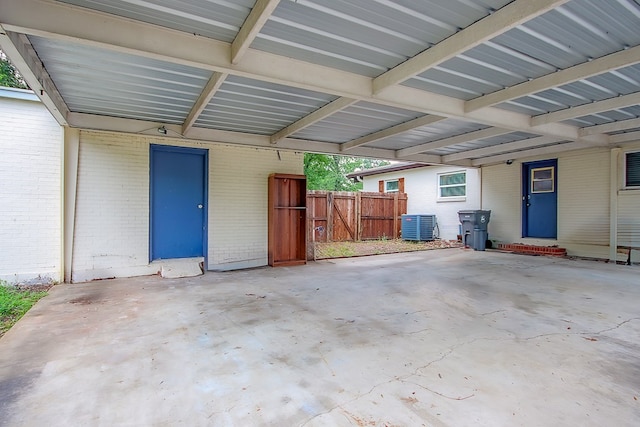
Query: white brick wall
x=238, y=203
x=112, y=205
x=112, y=211
x=421, y=186
x=30, y=191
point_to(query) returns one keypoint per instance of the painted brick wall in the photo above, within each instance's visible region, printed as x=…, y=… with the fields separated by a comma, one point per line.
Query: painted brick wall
x=112, y=204
x=30, y=190
x=112, y=211
x=238, y=203
x=421, y=186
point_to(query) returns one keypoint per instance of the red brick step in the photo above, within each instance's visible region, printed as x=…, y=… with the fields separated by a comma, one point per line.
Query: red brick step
x=532, y=249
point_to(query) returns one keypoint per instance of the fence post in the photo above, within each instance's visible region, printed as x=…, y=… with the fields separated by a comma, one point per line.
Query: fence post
x=358, y=210
x=329, y=216
x=395, y=215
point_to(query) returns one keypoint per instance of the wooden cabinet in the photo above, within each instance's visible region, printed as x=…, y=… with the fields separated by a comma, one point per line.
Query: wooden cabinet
x=287, y=219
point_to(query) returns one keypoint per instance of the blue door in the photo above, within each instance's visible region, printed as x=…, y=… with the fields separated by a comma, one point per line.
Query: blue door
x=178, y=202
x=540, y=199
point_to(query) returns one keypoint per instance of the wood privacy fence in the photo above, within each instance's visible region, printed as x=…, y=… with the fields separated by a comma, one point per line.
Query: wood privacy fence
x=338, y=216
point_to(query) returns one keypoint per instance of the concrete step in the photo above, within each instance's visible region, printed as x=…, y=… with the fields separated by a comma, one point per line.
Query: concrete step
x=180, y=267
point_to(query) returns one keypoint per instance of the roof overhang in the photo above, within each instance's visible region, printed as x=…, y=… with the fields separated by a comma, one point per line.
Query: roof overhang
x=441, y=82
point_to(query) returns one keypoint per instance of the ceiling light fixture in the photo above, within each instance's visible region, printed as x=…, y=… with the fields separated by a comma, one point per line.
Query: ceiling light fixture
x=162, y=130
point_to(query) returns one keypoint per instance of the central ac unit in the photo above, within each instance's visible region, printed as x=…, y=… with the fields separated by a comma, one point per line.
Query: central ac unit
x=418, y=227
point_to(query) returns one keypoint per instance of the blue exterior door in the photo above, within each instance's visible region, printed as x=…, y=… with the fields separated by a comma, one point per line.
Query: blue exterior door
x=540, y=199
x=178, y=202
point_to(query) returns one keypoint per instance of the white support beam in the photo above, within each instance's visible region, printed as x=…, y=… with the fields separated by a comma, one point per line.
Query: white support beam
x=22, y=56
x=569, y=146
x=391, y=131
x=213, y=136
x=625, y=137
x=431, y=103
x=585, y=70
x=610, y=127
x=501, y=21
x=321, y=113
x=71, y=149
x=459, y=139
x=500, y=148
x=587, y=109
x=208, y=92
x=613, y=203
x=258, y=16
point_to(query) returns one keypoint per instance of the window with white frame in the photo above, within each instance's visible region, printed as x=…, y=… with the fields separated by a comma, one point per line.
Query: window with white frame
x=632, y=169
x=391, y=186
x=452, y=186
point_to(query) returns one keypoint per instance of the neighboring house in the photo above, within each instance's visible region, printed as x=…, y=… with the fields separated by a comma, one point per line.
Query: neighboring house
x=439, y=190
x=30, y=189
x=109, y=180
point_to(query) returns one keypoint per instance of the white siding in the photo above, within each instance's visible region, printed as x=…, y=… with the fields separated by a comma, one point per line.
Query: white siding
x=30, y=190
x=583, y=199
x=583, y=203
x=421, y=186
x=112, y=211
x=628, y=212
x=501, y=193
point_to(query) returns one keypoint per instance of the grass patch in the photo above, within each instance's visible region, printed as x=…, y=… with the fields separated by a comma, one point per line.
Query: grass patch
x=380, y=246
x=336, y=250
x=14, y=303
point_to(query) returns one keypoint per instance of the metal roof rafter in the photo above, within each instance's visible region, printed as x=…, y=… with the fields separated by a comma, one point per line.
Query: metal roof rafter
x=258, y=16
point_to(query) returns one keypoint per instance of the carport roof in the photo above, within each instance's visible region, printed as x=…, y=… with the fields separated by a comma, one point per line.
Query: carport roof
x=436, y=81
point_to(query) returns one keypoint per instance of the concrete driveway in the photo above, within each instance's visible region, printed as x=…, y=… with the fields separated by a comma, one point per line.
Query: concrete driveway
x=437, y=338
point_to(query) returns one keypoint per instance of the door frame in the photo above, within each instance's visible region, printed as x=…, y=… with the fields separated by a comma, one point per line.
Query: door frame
x=526, y=183
x=205, y=189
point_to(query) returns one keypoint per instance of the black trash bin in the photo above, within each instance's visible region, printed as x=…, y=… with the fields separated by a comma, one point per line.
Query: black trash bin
x=474, y=228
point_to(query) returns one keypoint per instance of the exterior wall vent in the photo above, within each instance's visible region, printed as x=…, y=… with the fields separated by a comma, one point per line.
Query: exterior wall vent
x=418, y=227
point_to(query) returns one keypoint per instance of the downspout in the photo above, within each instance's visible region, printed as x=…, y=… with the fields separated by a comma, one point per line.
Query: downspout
x=71, y=149
x=613, y=205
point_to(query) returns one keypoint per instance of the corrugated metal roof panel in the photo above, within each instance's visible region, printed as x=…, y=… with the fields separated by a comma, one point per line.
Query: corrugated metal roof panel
x=424, y=134
x=355, y=121
x=218, y=20
x=603, y=86
x=566, y=36
x=246, y=105
x=606, y=117
x=482, y=143
x=105, y=82
x=363, y=36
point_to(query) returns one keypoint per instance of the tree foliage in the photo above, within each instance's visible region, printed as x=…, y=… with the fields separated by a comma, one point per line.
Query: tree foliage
x=328, y=172
x=9, y=76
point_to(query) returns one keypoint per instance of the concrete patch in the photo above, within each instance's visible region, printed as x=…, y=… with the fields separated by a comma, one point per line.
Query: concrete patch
x=180, y=268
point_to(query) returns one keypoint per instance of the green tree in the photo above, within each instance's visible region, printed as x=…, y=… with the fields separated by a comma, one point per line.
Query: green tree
x=328, y=172
x=9, y=76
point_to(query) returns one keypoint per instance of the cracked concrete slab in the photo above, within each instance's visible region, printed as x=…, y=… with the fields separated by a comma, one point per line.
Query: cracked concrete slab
x=436, y=338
